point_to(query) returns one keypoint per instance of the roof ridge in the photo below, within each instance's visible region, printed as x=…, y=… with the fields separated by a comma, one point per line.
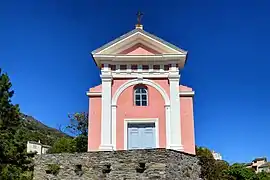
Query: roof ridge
x=143, y=32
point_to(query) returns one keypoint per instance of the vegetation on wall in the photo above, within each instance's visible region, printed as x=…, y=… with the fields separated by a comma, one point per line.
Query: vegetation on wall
x=212, y=169
x=53, y=169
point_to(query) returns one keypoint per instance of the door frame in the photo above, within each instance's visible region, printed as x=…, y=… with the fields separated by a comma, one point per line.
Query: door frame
x=138, y=121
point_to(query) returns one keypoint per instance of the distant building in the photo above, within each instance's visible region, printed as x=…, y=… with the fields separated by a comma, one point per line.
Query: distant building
x=33, y=146
x=264, y=167
x=259, y=165
x=217, y=156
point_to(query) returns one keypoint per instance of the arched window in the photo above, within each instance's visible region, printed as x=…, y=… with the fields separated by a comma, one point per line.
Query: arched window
x=140, y=95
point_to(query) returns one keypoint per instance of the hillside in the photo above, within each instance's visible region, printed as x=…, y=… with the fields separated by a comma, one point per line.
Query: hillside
x=34, y=130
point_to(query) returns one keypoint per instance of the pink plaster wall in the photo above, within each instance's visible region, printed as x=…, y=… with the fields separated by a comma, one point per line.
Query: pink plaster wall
x=126, y=109
x=139, y=49
x=94, y=125
x=117, y=83
x=187, y=124
x=96, y=88
x=184, y=88
x=164, y=83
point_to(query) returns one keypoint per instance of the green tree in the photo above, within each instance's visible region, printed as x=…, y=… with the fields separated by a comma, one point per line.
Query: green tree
x=63, y=145
x=240, y=172
x=204, y=152
x=206, y=161
x=78, y=123
x=211, y=169
x=81, y=143
x=263, y=176
x=13, y=157
x=219, y=170
x=79, y=127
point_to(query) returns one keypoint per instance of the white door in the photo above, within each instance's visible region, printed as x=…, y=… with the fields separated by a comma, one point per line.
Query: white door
x=141, y=136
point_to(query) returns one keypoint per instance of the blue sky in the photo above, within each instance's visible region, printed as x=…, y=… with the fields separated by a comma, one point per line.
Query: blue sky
x=45, y=46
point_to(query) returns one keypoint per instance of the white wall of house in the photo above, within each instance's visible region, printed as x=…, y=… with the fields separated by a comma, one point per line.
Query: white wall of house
x=264, y=169
x=44, y=150
x=217, y=156
x=37, y=147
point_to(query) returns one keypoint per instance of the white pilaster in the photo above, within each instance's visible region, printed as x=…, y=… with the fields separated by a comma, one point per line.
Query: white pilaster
x=114, y=126
x=175, y=118
x=106, y=121
x=167, y=118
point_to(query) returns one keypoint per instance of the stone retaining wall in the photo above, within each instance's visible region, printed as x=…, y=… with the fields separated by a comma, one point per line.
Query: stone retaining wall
x=117, y=165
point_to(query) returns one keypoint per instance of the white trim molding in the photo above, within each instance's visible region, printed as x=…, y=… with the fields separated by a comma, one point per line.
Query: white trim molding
x=129, y=83
x=137, y=121
x=114, y=108
x=140, y=81
x=186, y=93
x=167, y=122
x=93, y=94
x=175, y=117
x=128, y=59
x=154, y=57
x=106, y=115
x=181, y=94
x=137, y=35
x=152, y=75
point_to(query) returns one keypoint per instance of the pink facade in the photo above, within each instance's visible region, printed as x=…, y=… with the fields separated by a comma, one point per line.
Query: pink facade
x=187, y=124
x=94, y=128
x=115, y=107
x=126, y=109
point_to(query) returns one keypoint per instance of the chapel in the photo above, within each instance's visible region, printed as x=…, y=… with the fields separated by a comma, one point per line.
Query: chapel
x=140, y=103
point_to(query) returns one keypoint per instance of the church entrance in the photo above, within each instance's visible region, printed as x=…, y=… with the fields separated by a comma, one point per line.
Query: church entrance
x=141, y=136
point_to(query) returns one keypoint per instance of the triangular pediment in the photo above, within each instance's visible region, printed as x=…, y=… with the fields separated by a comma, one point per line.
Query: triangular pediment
x=138, y=42
x=139, y=49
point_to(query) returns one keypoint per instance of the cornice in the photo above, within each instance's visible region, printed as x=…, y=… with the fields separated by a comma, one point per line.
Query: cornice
x=181, y=94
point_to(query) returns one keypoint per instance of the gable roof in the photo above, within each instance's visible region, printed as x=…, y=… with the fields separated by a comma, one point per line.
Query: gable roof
x=248, y=164
x=136, y=31
x=260, y=159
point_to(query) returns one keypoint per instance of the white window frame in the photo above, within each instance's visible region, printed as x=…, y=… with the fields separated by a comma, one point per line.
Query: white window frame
x=138, y=121
x=140, y=94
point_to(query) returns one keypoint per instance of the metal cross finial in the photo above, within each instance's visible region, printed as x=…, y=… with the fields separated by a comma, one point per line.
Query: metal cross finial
x=139, y=17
